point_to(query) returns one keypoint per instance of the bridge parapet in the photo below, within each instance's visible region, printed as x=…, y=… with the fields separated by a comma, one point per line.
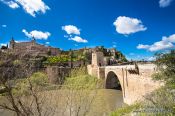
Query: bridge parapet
x=145, y=70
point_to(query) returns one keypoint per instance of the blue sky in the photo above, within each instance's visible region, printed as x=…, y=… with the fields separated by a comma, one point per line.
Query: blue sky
x=138, y=28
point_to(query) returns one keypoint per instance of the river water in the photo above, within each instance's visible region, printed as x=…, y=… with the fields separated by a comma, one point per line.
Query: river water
x=107, y=100
x=104, y=102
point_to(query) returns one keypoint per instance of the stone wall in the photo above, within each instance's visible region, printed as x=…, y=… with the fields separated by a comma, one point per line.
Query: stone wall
x=33, y=48
x=98, y=59
x=57, y=74
x=134, y=86
x=96, y=71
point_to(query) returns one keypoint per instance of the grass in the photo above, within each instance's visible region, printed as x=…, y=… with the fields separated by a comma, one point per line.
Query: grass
x=125, y=111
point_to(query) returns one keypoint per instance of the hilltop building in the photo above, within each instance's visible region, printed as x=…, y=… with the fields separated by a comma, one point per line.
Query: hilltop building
x=33, y=48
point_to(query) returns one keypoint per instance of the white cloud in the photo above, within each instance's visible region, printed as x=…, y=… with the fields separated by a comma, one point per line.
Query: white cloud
x=33, y=6
x=114, y=46
x=78, y=39
x=66, y=36
x=71, y=29
x=47, y=43
x=165, y=43
x=165, y=3
x=171, y=38
x=141, y=46
x=76, y=45
x=151, y=58
x=3, y=44
x=4, y=26
x=72, y=32
x=11, y=4
x=37, y=34
x=161, y=45
x=126, y=25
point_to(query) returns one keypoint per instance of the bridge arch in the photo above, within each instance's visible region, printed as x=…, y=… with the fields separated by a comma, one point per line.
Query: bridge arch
x=112, y=81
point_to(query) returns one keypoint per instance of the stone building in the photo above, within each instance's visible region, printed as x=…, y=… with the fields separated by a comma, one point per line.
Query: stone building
x=33, y=48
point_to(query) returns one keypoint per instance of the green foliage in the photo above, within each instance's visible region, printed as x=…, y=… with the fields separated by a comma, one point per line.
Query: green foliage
x=1, y=62
x=163, y=99
x=120, y=56
x=17, y=62
x=57, y=59
x=78, y=71
x=38, y=80
x=79, y=79
x=159, y=76
x=82, y=82
x=125, y=110
x=166, y=64
x=64, y=58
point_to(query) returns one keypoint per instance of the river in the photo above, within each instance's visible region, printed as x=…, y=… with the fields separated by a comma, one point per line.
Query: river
x=107, y=100
x=103, y=102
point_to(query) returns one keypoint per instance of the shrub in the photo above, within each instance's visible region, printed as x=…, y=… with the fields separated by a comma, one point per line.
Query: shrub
x=80, y=79
x=38, y=80
x=126, y=110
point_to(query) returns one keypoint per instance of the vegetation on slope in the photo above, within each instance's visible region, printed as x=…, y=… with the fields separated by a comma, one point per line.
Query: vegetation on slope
x=82, y=55
x=80, y=79
x=30, y=96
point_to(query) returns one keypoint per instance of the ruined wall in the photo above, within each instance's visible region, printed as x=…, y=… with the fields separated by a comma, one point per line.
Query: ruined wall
x=57, y=74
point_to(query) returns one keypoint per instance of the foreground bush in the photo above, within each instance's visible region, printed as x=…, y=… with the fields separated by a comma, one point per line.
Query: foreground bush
x=38, y=81
x=74, y=98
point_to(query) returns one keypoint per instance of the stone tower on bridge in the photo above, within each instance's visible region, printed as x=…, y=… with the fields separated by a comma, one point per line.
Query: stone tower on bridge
x=96, y=68
x=98, y=59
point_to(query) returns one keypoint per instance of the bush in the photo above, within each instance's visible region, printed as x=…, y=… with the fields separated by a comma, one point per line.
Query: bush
x=80, y=79
x=125, y=110
x=38, y=80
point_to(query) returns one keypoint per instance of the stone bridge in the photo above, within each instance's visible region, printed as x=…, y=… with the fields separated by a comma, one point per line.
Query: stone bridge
x=134, y=86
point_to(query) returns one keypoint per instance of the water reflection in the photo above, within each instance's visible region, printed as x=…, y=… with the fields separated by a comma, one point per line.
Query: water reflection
x=107, y=100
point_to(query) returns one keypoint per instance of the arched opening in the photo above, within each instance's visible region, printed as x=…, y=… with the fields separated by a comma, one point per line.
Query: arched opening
x=112, y=81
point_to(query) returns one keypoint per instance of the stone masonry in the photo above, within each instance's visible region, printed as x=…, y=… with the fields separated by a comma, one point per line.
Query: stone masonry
x=33, y=48
x=134, y=86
